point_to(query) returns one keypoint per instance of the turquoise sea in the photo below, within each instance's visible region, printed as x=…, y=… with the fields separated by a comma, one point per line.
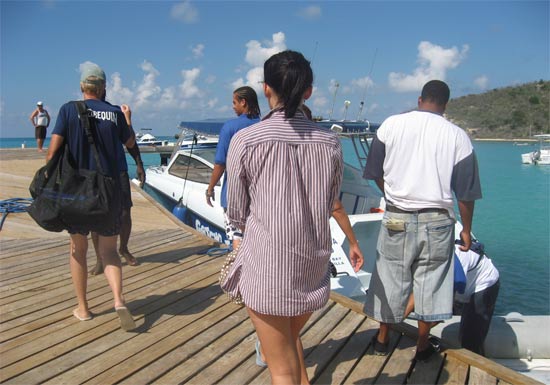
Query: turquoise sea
x=512, y=220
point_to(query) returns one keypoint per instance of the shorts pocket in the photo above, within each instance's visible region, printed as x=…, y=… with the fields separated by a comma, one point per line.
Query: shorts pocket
x=391, y=242
x=440, y=236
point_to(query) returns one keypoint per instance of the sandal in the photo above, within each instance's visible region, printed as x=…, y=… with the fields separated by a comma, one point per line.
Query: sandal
x=379, y=349
x=425, y=354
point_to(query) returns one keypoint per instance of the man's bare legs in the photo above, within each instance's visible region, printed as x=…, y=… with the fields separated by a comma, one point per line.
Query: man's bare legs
x=125, y=230
x=113, y=269
x=79, y=273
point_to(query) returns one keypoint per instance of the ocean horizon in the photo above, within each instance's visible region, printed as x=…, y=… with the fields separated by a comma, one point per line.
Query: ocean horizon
x=512, y=220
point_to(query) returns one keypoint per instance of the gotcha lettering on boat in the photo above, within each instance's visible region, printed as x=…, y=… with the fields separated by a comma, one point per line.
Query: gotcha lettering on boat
x=205, y=229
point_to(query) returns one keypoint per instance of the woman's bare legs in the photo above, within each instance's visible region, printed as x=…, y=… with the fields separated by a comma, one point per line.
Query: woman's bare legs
x=79, y=272
x=280, y=341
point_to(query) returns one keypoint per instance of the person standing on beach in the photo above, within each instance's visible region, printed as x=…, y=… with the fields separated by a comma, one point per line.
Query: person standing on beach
x=126, y=197
x=40, y=119
x=284, y=176
x=419, y=159
x=245, y=105
x=110, y=130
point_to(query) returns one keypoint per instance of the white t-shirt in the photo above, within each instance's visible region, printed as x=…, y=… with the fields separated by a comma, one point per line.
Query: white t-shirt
x=42, y=118
x=423, y=158
x=478, y=277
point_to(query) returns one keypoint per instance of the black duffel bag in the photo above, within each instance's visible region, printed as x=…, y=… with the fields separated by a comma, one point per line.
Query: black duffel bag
x=68, y=197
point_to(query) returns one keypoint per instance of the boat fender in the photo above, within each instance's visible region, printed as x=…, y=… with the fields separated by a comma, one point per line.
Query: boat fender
x=180, y=211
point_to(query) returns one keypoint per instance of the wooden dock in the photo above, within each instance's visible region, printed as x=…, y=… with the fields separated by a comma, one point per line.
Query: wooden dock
x=187, y=331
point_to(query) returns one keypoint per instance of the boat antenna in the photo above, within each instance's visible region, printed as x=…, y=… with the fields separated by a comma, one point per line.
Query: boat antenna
x=336, y=85
x=362, y=103
x=314, y=52
x=193, y=142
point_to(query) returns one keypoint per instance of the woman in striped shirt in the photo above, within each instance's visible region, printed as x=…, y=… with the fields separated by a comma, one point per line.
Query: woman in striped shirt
x=284, y=177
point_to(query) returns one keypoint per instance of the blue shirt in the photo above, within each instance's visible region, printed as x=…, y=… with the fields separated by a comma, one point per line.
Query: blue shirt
x=110, y=131
x=230, y=128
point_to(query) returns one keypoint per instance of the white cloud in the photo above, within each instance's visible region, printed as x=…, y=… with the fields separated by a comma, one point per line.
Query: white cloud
x=362, y=83
x=434, y=62
x=185, y=12
x=188, y=88
x=313, y=12
x=168, y=99
x=256, y=54
x=212, y=103
x=198, y=51
x=116, y=92
x=148, y=89
x=237, y=83
x=320, y=102
x=482, y=82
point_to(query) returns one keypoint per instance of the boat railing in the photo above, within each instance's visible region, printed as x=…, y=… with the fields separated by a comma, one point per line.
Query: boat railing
x=361, y=141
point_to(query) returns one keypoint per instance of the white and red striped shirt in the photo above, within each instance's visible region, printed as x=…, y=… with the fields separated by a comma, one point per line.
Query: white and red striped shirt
x=283, y=178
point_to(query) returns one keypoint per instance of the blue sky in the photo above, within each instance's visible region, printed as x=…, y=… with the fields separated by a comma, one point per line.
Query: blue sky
x=173, y=61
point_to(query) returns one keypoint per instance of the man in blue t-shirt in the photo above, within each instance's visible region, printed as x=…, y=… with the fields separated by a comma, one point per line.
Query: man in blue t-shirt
x=245, y=105
x=109, y=131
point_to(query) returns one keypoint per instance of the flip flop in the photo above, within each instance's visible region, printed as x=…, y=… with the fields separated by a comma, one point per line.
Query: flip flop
x=75, y=314
x=126, y=320
x=259, y=360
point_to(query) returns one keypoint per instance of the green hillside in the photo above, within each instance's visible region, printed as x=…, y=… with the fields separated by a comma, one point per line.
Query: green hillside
x=505, y=113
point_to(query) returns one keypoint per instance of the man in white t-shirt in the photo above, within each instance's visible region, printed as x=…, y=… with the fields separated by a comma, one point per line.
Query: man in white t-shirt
x=479, y=297
x=419, y=160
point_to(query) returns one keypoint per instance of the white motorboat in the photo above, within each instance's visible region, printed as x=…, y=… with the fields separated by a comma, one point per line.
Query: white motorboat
x=182, y=182
x=540, y=156
x=150, y=140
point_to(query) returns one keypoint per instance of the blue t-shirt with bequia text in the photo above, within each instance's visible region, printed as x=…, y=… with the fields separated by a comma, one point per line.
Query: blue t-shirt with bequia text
x=109, y=131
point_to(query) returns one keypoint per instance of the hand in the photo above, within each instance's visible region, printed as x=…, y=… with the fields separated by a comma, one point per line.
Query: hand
x=140, y=174
x=466, y=239
x=127, y=113
x=209, y=197
x=356, y=257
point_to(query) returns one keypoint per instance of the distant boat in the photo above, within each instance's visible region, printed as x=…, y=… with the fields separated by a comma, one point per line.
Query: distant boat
x=150, y=140
x=540, y=156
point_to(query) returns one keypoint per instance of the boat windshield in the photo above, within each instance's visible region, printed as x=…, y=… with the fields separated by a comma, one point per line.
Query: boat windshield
x=191, y=168
x=207, y=154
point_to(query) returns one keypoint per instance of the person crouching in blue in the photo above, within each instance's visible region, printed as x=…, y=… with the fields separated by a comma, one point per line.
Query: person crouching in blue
x=479, y=297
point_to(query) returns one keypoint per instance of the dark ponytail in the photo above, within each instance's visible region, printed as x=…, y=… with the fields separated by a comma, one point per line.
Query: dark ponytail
x=289, y=74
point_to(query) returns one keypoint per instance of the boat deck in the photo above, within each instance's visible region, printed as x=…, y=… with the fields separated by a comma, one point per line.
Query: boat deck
x=187, y=331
